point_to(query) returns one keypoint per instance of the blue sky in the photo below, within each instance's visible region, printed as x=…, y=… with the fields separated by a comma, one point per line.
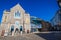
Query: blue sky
x=44, y=9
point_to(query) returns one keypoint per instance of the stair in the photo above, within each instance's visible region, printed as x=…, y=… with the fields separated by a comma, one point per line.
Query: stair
x=22, y=37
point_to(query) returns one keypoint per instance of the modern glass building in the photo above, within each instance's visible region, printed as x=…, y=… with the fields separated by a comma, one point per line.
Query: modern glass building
x=35, y=24
x=56, y=20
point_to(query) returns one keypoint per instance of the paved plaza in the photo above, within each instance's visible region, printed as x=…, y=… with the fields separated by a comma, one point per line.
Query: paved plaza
x=35, y=36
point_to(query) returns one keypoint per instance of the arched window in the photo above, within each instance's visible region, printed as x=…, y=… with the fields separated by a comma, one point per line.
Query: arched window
x=17, y=14
x=12, y=28
x=20, y=28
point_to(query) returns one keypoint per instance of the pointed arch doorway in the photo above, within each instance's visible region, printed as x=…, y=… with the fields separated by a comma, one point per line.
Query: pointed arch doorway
x=11, y=29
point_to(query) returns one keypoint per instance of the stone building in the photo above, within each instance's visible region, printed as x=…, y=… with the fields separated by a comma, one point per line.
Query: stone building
x=15, y=20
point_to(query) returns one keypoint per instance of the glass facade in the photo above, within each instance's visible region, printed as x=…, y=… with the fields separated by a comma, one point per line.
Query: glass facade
x=35, y=24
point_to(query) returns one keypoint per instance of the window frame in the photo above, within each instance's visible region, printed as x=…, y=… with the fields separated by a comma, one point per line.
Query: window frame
x=18, y=16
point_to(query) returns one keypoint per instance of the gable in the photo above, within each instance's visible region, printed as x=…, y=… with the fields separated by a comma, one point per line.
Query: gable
x=18, y=7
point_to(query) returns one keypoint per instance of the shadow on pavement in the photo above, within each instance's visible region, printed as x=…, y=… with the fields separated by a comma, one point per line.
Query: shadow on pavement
x=50, y=36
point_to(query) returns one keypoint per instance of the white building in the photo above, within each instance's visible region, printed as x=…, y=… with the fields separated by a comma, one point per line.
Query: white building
x=15, y=20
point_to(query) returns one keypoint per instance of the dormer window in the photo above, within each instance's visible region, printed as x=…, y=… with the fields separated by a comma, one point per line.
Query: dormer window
x=17, y=15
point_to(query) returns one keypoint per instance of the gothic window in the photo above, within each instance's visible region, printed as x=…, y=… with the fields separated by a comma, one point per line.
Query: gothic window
x=17, y=14
x=12, y=28
x=20, y=28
